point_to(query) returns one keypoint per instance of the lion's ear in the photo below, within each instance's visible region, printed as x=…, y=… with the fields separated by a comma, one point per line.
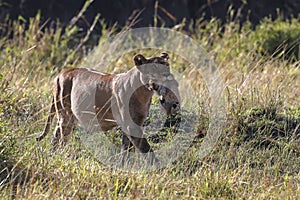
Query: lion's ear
x=165, y=56
x=139, y=60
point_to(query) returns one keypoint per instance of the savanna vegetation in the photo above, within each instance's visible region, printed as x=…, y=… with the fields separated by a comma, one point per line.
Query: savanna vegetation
x=257, y=155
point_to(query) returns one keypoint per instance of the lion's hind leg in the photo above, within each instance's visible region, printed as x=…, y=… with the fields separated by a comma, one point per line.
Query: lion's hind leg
x=65, y=117
x=63, y=130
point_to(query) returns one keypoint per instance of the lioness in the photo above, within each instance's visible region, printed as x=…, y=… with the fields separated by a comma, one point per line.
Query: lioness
x=103, y=101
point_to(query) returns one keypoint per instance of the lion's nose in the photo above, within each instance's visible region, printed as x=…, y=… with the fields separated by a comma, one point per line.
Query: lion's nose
x=176, y=106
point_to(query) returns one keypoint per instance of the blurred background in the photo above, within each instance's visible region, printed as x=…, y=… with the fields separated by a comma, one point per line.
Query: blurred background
x=169, y=13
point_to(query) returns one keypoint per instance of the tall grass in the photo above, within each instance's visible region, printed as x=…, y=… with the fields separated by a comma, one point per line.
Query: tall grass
x=258, y=156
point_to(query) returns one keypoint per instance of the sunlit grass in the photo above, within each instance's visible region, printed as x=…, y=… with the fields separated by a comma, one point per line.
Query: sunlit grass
x=257, y=156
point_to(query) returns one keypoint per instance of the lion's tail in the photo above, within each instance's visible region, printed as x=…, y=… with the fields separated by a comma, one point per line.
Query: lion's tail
x=51, y=111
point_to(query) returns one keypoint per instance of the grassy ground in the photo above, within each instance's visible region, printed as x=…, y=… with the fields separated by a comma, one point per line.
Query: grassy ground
x=257, y=157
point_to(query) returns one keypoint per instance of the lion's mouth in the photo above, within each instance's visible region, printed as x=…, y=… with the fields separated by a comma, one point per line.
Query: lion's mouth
x=169, y=107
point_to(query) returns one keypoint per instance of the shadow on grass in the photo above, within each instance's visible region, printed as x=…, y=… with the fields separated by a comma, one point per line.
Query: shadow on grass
x=269, y=127
x=12, y=175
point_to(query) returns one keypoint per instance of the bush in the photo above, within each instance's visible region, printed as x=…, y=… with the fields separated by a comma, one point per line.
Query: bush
x=278, y=38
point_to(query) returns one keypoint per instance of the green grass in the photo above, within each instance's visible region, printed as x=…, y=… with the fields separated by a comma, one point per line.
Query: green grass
x=257, y=157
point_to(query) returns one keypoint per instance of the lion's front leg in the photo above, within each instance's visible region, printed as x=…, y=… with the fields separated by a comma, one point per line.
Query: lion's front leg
x=138, y=140
x=127, y=146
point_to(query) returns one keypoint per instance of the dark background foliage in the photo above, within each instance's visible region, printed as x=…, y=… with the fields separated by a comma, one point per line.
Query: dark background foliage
x=169, y=12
